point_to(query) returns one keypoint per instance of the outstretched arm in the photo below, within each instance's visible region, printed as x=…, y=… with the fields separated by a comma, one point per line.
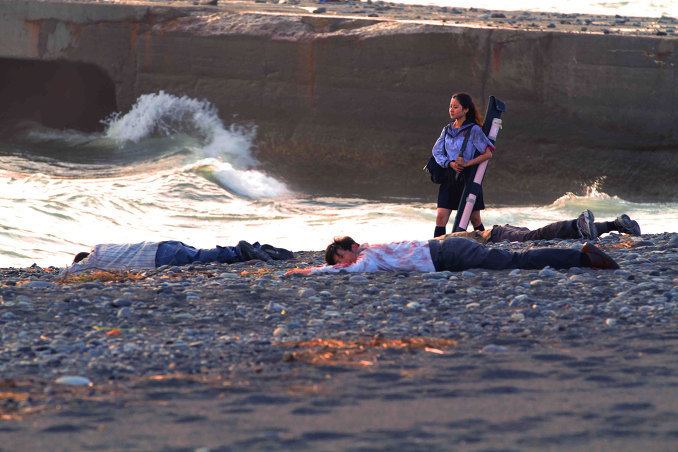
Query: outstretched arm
x=299, y=271
x=362, y=264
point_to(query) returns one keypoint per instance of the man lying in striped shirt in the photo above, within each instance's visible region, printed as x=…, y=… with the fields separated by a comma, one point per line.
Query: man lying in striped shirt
x=128, y=256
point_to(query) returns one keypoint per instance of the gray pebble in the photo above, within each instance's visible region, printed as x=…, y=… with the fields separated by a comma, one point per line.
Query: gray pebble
x=493, y=348
x=120, y=302
x=307, y=292
x=437, y=275
x=39, y=285
x=73, y=380
x=280, y=331
x=520, y=301
x=130, y=348
x=517, y=317
x=413, y=305
x=275, y=307
x=548, y=272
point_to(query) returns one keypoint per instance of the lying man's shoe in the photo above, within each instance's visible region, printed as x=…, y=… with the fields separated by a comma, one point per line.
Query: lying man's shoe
x=249, y=252
x=277, y=254
x=626, y=225
x=586, y=226
x=598, y=258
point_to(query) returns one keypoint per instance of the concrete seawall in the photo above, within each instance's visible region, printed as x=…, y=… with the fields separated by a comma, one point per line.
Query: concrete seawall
x=370, y=97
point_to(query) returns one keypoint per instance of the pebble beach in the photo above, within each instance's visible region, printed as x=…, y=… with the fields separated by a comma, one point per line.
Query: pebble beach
x=241, y=356
x=216, y=357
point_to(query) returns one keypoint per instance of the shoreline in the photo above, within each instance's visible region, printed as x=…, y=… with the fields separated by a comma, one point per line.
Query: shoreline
x=187, y=349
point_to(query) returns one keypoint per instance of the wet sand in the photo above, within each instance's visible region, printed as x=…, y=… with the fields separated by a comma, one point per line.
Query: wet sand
x=240, y=357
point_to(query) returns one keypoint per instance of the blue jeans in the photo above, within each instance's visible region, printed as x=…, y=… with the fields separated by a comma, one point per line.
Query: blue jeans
x=178, y=253
x=457, y=254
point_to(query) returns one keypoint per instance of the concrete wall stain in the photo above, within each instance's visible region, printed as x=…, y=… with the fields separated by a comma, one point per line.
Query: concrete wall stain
x=133, y=36
x=307, y=68
x=33, y=29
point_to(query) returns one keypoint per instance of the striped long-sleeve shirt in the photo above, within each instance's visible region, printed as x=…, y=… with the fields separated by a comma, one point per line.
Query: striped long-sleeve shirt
x=118, y=256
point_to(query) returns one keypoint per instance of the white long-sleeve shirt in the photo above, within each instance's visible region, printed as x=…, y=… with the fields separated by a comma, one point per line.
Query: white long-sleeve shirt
x=410, y=255
x=114, y=256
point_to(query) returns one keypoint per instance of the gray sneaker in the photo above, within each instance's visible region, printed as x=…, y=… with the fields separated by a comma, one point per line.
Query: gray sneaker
x=586, y=227
x=626, y=225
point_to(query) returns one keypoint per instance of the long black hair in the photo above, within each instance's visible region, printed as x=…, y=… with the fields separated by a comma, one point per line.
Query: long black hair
x=467, y=102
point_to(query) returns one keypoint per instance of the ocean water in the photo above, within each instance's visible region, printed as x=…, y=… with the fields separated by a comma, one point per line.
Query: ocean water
x=636, y=8
x=169, y=169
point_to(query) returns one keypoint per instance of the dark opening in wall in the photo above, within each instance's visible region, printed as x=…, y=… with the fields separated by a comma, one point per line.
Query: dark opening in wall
x=57, y=94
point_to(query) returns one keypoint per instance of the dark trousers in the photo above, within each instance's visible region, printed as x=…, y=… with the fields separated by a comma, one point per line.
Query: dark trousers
x=457, y=254
x=178, y=253
x=559, y=230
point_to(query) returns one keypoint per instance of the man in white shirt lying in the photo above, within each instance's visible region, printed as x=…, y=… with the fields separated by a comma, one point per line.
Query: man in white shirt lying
x=452, y=253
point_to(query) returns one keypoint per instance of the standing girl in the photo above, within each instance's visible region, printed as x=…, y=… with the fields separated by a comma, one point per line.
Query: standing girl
x=448, y=153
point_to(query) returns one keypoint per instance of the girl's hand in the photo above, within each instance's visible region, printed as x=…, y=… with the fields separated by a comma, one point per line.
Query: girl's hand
x=461, y=162
x=458, y=165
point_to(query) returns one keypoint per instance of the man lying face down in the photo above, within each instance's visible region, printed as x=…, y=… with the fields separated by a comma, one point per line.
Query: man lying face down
x=144, y=255
x=583, y=227
x=449, y=253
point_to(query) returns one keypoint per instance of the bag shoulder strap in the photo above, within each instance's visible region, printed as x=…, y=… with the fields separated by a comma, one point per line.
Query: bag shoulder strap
x=466, y=137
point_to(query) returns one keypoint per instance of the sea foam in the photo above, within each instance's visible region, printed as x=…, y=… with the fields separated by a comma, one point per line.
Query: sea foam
x=229, y=162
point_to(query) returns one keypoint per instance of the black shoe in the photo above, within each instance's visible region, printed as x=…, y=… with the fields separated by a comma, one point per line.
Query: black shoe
x=598, y=258
x=278, y=254
x=626, y=225
x=249, y=252
x=586, y=227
